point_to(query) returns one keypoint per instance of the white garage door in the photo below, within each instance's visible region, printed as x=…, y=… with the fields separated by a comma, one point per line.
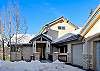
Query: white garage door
x=77, y=50
x=98, y=56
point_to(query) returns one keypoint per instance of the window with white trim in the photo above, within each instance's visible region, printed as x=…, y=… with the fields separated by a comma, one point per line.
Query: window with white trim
x=61, y=27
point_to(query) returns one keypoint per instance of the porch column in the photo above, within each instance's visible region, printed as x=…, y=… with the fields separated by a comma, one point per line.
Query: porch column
x=36, y=54
x=47, y=49
x=55, y=56
x=34, y=46
x=69, y=57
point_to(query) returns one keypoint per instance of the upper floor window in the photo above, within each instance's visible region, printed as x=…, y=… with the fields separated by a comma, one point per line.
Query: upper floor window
x=61, y=27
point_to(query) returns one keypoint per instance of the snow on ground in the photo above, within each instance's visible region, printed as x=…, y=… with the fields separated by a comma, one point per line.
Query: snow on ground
x=36, y=66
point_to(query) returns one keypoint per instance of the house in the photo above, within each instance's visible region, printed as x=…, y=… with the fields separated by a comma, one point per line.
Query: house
x=40, y=45
x=91, y=46
x=23, y=49
x=49, y=33
x=81, y=46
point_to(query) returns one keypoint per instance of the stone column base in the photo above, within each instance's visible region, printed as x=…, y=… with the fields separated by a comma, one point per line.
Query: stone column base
x=69, y=59
x=87, y=61
x=37, y=55
x=55, y=56
x=46, y=55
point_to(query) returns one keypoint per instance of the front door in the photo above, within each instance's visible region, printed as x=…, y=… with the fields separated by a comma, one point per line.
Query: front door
x=41, y=49
x=98, y=56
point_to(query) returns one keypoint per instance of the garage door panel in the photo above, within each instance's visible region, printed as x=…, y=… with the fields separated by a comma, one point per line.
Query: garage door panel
x=77, y=54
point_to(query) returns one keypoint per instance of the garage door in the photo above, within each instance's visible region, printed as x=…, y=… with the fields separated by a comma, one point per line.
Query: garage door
x=98, y=56
x=77, y=50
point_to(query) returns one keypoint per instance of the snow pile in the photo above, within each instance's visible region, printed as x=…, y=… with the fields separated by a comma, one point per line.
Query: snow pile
x=36, y=66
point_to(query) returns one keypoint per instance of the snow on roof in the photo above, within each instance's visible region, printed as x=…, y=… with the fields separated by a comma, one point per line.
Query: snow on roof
x=48, y=36
x=38, y=35
x=22, y=38
x=76, y=32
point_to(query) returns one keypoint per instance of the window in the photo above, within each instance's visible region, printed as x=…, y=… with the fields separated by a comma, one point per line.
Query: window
x=63, y=49
x=61, y=27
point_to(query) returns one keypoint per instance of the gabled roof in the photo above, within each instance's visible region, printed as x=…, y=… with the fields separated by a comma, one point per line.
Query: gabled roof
x=41, y=35
x=55, y=22
x=91, y=21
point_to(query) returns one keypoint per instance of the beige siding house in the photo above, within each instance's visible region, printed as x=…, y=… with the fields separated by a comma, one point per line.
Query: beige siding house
x=91, y=47
x=40, y=46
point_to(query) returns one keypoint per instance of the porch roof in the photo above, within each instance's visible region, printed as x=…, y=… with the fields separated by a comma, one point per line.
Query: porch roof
x=72, y=37
x=49, y=38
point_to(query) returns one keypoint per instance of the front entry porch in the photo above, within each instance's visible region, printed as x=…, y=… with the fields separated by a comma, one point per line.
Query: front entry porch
x=41, y=48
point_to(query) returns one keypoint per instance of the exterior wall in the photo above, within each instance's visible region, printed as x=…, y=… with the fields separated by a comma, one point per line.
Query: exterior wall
x=68, y=28
x=94, y=30
x=89, y=54
x=53, y=34
x=13, y=56
x=27, y=52
x=69, y=55
x=55, y=49
x=24, y=52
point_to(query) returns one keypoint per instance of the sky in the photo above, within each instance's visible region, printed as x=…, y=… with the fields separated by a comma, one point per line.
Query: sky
x=39, y=12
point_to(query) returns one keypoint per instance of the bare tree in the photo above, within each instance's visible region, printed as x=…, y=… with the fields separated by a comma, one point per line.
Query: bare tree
x=14, y=23
x=2, y=37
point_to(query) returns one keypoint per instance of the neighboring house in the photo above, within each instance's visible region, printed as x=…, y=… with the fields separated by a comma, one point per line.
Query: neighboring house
x=22, y=38
x=23, y=48
x=58, y=28
x=91, y=46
